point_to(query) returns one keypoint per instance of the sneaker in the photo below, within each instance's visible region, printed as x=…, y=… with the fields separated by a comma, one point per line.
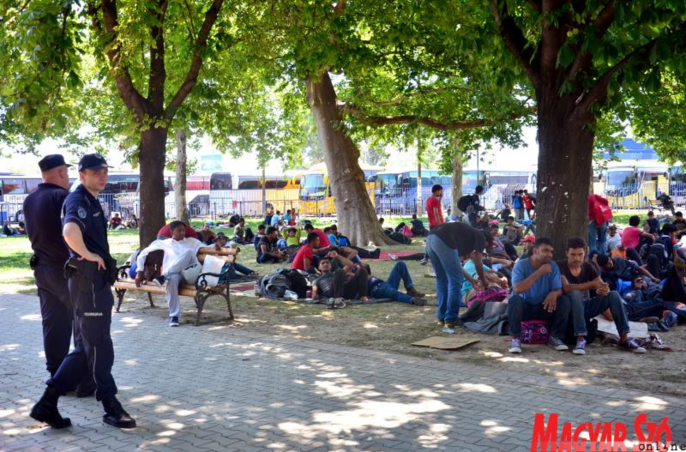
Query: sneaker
x=413, y=292
x=580, y=348
x=448, y=330
x=423, y=261
x=393, y=257
x=557, y=344
x=632, y=346
x=418, y=301
x=174, y=321
x=159, y=281
x=515, y=346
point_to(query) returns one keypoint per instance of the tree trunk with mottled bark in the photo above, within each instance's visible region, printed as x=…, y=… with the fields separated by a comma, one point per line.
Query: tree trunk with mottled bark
x=151, y=162
x=180, y=186
x=355, y=211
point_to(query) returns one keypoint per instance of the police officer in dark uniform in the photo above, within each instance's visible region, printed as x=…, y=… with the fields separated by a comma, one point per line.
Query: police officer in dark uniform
x=43, y=211
x=91, y=272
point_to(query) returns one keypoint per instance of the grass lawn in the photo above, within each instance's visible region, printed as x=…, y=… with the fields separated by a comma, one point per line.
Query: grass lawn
x=390, y=327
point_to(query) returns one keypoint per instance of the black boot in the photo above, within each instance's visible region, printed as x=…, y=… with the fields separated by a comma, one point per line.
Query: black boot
x=85, y=390
x=115, y=414
x=46, y=410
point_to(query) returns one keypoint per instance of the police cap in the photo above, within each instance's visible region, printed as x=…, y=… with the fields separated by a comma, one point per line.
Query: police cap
x=92, y=162
x=52, y=161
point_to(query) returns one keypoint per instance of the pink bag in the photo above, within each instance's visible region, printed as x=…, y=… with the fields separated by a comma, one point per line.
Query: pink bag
x=534, y=332
x=406, y=231
x=490, y=294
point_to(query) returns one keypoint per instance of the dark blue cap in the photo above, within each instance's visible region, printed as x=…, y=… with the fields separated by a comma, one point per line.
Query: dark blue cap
x=52, y=161
x=92, y=162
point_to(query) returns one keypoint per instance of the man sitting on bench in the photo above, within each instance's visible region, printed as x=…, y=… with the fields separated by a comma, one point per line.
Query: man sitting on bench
x=180, y=265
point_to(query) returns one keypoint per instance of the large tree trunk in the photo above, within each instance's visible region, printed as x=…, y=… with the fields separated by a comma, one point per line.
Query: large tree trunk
x=151, y=162
x=565, y=159
x=180, y=188
x=355, y=212
x=457, y=176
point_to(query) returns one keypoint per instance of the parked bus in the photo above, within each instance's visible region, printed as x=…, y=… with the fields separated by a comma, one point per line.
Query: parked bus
x=243, y=194
x=14, y=188
x=634, y=186
x=316, y=196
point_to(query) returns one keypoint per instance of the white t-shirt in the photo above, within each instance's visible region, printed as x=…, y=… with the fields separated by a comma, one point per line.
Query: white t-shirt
x=172, y=249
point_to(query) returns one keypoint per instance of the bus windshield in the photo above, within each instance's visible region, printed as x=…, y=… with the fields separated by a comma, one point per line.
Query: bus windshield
x=220, y=181
x=313, y=182
x=619, y=178
x=386, y=182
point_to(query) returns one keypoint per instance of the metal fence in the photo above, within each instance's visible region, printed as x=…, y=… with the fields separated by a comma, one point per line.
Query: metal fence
x=403, y=201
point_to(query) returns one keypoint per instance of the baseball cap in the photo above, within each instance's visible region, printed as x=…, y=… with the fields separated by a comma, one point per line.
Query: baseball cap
x=529, y=238
x=52, y=161
x=92, y=162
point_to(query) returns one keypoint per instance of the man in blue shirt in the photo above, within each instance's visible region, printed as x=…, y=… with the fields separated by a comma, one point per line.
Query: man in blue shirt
x=537, y=287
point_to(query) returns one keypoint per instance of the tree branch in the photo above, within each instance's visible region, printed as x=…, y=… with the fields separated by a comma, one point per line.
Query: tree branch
x=598, y=91
x=196, y=62
x=413, y=119
x=127, y=91
x=515, y=41
x=158, y=71
x=582, y=61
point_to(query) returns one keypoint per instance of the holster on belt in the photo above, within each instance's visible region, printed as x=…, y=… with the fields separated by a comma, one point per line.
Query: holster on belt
x=83, y=271
x=33, y=263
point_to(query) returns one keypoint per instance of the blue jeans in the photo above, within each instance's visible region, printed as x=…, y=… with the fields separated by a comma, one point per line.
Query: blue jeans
x=238, y=268
x=597, y=238
x=585, y=310
x=518, y=310
x=389, y=289
x=446, y=264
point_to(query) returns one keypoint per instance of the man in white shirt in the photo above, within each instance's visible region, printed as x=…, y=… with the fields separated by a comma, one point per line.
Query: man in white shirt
x=180, y=265
x=613, y=239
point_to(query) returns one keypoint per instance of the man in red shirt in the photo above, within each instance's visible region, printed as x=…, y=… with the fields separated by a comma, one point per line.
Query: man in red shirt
x=324, y=241
x=433, y=207
x=305, y=257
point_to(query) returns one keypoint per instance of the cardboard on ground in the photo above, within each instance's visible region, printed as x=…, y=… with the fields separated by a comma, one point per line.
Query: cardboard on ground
x=446, y=343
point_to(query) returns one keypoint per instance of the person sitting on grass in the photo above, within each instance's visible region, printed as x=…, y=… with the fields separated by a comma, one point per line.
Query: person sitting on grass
x=116, y=221
x=304, y=259
x=616, y=268
x=537, y=291
x=261, y=232
x=206, y=235
x=346, y=283
x=590, y=296
x=242, y=234
x=470, y=282
x=418, y=229
x=268, y=252
x=378, y=288
x=180, y=265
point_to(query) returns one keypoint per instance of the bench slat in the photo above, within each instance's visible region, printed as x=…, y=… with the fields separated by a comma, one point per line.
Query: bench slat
x=185, y=290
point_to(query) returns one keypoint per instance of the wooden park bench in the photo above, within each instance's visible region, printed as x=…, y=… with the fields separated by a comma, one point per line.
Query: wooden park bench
x=200, y=291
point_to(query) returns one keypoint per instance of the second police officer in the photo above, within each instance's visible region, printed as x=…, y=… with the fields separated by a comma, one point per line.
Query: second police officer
x=91, y=272
x=42, y=211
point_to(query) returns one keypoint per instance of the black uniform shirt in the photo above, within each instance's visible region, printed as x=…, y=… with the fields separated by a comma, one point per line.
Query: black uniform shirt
x=84, y=210
x=461, y=237
x=42, y=213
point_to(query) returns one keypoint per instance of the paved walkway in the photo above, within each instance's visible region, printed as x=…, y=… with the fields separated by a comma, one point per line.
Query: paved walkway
x=218, y=389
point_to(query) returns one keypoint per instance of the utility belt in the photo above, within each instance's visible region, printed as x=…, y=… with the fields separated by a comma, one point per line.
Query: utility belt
x=85, y=271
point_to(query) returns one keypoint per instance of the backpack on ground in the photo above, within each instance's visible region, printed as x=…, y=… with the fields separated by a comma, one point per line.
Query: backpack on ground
x=275, y=284
x=298, y=282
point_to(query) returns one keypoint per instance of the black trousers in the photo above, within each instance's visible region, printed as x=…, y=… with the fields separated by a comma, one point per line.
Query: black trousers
x=57, y=313
x=351, y=289
x=94, y=351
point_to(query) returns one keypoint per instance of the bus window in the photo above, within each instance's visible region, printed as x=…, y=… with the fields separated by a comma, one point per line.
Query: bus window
x=249, y=185
x=13, y=187
x=220, y=181
x=197, y=183
x=276, y=184
x=32, y=184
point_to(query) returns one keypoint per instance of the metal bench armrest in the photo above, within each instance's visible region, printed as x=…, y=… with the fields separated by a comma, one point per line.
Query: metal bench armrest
x=122, y=272
x=201, y=283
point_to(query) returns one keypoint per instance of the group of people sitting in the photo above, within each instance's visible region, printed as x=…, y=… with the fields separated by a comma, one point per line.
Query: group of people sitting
x=117, y=222
x=9, y=231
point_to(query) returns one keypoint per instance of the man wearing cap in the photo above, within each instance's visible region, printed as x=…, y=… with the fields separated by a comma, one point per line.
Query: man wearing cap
x=528, y=244
x=43, y=210
x=91, y=271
